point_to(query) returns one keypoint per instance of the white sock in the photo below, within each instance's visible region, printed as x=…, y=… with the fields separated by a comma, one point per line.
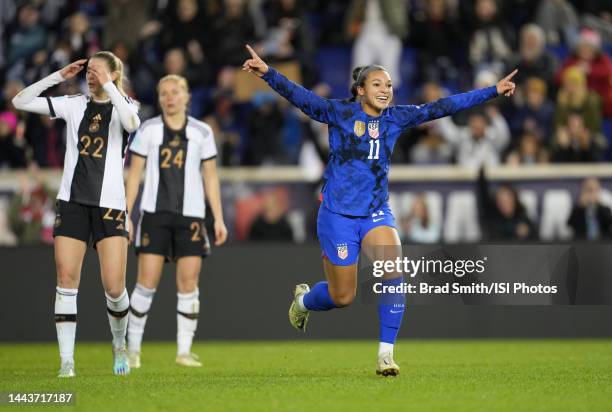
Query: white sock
x=188, y=308
x=65, y=321
x=384, y=347
x=140, y=303
x=300, y=303
x=117, y=317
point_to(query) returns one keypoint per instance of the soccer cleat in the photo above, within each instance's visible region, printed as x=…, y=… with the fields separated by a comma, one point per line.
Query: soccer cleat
x=134, y=360
x=189, y=359
x=66, y=370
x=387, y=366
x=121, y=366
x=298, y=318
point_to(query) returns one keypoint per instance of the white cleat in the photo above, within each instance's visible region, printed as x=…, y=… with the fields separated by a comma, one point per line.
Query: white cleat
x=297, y=317
x=121, y=366
x=387, y=366
x=66, y=370
x=134, y=360
x=189, y=359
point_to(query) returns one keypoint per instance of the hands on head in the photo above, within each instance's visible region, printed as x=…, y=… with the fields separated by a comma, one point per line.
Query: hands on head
x=254, y=65
x=73, y=69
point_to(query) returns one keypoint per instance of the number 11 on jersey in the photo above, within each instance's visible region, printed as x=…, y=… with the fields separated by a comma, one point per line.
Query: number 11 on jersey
x=374, y=149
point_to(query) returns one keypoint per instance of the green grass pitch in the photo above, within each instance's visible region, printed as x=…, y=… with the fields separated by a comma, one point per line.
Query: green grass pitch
x=440, y=375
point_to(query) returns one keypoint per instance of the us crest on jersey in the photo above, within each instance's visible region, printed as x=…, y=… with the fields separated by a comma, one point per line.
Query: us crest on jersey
x=359, y=128
x=373, y=130
x=343, y=251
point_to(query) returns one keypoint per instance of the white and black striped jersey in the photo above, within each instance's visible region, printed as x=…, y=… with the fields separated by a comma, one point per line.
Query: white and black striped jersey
x=95, y=147
x=173, y=181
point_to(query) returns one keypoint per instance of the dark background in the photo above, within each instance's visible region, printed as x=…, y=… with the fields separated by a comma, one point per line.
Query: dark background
x=245, y=294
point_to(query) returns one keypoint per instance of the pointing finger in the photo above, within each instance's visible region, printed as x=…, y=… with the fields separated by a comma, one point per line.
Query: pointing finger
x=252, y=52
x=511, y=75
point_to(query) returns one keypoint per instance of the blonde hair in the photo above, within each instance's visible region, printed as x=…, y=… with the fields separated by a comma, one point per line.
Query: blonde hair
x=115, y=65
x=179, y=80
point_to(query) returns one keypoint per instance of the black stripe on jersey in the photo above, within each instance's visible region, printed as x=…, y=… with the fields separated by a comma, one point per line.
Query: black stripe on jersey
x=124, y=143
x=172, y=159
x=133, y=153
x=210, y=158
x=88, y=175
x=71, y=317
x=51, y=109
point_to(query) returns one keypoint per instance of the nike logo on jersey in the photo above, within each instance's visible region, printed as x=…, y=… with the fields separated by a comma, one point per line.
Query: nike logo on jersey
x=395, y=311
x=377, y=220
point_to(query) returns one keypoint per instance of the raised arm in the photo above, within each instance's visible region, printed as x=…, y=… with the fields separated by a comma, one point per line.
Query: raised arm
x=127, y=110
x=411, y=116
x=28, y=99
x=315, y=107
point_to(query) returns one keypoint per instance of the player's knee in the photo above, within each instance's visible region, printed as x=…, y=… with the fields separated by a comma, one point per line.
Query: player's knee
x=114, y=291
x=67, y=275
x=342, y=299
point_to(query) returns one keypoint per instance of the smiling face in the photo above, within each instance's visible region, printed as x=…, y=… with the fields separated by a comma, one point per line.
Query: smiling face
x=173, y=97
x=377, y=92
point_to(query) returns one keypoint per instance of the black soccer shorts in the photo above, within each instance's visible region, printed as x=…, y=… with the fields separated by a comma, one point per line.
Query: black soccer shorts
x=171, y=235
x=88, y=223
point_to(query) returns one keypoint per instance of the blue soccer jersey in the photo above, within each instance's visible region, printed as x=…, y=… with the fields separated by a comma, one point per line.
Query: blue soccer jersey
x=356, y=176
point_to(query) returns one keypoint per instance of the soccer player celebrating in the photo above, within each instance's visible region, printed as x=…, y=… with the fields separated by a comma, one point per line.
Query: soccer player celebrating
x=178, y=151
x=91, y=199
x=355, y=213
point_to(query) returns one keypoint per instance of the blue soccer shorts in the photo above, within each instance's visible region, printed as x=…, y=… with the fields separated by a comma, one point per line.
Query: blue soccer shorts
x=340, y=236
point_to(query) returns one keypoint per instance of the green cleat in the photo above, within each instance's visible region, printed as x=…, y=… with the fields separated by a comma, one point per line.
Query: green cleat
x=297, y=317
x=189, y=359
x=66, y=370
x=387, y=366
x=121, y=366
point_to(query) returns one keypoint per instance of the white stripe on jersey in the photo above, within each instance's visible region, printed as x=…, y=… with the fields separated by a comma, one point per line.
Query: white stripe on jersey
x=200, y=146
x=72, y=110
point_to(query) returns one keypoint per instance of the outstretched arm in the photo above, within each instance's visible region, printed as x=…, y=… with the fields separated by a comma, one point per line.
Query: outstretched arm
x=28, y=99
x=315, y=107
x=410, y=115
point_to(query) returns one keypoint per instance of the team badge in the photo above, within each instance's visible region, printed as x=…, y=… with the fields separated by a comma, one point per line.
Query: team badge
x=95, y=123
x=343, y=251
x=359, y=128
x=145, y=239
x=373, y=130
x=176, y=140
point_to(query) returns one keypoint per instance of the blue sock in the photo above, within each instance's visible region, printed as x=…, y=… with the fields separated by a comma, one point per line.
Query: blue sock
x=318, y=299
x=390, y=312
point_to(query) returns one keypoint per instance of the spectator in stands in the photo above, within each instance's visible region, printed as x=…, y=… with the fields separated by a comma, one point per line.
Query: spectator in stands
x=533, y=59
x=596, y=14
x=125, y=20
x=574, y=97
x=529, y=151
x=479, y=143
x=231, y=30
x=32, y=213
x=559, y=21
x=590, y=219
x=45, y=138
x=378, y=27
x=12, y=146
x=82, y=40
x=491, y=43
x=439, y=38
x=503, y=216
x=535, y=112
x=27, y=37
x=265, y=126
x=186, y=29
x=272, y=224
x=574, y=142
x=417, y=226
x=596, y=64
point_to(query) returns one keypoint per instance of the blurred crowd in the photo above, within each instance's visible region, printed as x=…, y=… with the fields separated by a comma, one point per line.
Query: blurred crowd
x=561, y=112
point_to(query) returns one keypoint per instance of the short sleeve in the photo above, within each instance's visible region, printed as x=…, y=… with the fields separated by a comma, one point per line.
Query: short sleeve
x=208, y=149
x=140, y=142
